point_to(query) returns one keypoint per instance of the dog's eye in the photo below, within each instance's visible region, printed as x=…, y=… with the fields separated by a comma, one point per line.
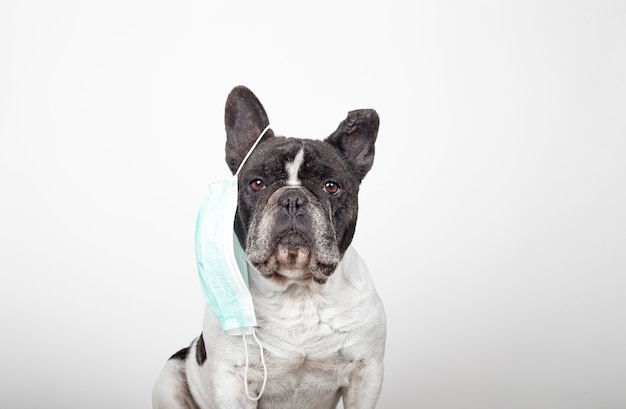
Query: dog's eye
x=257, y=185
x=331, y=187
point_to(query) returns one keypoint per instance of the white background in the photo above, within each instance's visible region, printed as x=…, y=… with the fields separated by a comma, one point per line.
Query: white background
x=492, y=220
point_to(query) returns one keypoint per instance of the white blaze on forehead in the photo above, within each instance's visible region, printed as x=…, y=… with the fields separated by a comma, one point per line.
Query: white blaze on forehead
x=293, y=167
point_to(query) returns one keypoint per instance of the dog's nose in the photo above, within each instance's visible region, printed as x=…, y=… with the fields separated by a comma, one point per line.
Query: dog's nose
x=292, y=202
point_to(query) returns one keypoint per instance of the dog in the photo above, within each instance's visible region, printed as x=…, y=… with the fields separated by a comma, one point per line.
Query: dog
x=320, y=320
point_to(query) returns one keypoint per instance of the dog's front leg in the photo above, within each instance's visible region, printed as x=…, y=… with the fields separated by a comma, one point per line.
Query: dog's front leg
x=365, y=385
x=229, y=391
x=226, y=399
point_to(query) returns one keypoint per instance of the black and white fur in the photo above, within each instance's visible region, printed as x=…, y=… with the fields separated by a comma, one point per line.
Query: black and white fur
x=321, y=322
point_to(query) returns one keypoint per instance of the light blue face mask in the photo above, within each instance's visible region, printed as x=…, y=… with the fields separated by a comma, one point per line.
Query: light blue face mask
x=221, y=262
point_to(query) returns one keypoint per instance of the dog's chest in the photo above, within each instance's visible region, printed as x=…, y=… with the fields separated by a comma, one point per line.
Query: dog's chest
x=306, y=344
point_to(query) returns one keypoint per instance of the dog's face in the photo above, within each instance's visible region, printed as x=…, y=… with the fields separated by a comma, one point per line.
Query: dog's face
x=297, y=207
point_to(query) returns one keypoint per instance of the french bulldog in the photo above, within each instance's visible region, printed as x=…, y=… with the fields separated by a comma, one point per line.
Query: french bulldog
x=320, y=320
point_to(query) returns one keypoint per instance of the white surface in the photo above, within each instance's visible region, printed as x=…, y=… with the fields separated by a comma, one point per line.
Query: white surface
x=493, y=219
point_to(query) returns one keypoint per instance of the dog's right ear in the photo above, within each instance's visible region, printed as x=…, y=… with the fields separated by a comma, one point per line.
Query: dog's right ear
x=245, y=119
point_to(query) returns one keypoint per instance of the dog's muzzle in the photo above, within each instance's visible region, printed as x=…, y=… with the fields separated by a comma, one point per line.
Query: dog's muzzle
x=293, y=229
x=294, y=237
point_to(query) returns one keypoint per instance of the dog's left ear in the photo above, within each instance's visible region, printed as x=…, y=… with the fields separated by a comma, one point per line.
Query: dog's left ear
x=355, y=138
x=245, y=119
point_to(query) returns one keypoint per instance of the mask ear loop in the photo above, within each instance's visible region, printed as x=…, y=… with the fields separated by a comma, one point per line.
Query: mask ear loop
x=252, y=148
x=245, y=373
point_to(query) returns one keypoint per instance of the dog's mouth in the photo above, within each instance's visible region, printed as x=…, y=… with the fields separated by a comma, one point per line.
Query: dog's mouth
x=293, y=259
x=292, y=251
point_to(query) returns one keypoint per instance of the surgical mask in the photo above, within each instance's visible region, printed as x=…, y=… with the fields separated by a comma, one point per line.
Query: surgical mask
x=222, y=265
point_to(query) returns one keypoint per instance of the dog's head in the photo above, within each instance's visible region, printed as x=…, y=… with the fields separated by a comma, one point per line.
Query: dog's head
x=297, y=206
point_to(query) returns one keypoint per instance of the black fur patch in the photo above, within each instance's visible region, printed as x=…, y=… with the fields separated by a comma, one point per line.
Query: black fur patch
x=200, y=350
x=184, y=397
x=181, y=355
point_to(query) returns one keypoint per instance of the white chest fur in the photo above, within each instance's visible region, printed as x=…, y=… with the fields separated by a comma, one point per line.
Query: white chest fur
x=317, y=338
